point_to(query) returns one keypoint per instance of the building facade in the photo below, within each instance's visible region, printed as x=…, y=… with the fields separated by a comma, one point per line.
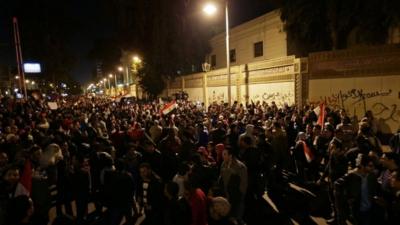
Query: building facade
x=260, y=39
x=359, y=79
x=261, y=70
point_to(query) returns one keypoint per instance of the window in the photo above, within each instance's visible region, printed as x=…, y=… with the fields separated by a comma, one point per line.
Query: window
x=213, y=61
x=258, y=49
x=232, y=55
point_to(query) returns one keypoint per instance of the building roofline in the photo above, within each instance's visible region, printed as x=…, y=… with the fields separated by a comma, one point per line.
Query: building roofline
x=251, y=23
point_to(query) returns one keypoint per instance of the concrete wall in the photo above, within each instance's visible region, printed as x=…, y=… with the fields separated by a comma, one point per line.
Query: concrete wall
x=358, y=80
x=267, y=80
x=380, y=94
x=196, y=94
x=219, y=94
x=267, y=28
x=279, y=92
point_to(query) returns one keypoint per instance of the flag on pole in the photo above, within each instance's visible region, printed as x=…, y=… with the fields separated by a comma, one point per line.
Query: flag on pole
x=320, y=112
x=168, y=107
x=24, y=187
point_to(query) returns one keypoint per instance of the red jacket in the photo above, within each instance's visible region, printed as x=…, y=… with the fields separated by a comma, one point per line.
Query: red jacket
x=198, y=203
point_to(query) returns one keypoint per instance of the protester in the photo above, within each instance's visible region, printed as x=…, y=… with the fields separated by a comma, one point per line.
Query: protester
x=90, y=149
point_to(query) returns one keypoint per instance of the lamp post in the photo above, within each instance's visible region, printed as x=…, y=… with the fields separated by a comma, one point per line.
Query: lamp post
x=136, y=65
x=206, y=68
x=17, y=78
x=121, y=71
x=109, y=82
x=211, y=9
x=115, y=82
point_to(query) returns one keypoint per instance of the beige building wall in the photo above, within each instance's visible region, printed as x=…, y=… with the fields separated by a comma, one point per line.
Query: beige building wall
x=220, y=94
x=132, y=90
x=267, y=80
x=279, y=92
x=267, y=28
x=195, y=94
x=358, y=80
x=357, y=95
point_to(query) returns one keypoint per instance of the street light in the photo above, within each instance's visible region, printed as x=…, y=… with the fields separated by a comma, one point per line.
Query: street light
x=105, y=83
x=206, y=68
x=135, y=66
x=18, y=81
x=115, y=79
x=109, y=83
x=211, y=9
x=136, y=63
x=136, y=59
x=120, y=69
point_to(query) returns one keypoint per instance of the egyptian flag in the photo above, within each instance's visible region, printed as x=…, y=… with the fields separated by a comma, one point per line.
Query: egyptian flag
x=24, y=187
x=307, y=152
x=320, y=112
x=169, y=107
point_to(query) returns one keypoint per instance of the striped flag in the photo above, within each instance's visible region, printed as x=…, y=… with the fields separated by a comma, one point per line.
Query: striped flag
x=24, y=187
x=169, y=107
x=320, y=112
x=307, y=152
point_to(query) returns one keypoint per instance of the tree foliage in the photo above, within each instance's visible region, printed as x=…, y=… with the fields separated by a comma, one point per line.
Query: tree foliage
x=166, y=34
x=316, y=25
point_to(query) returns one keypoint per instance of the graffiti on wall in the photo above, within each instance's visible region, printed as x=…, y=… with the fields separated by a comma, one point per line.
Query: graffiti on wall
x=351, y=97
x=358, y=101
x=388, y=113
x=216, y=97
x=278, y=97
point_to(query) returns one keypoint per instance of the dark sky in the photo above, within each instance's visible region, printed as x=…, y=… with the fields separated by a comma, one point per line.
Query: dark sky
x=94, y=25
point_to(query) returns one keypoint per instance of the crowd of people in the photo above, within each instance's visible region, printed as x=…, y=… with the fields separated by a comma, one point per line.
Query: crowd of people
x=196, y=165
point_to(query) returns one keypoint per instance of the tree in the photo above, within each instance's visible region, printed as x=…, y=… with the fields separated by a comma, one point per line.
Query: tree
x=317, y=25
x=306, y=26
x=164, y=33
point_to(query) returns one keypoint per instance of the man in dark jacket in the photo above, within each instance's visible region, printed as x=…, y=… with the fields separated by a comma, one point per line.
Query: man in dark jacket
x=233, y=177
x=177, y=211
x=150, y=195
x=357, y=190
x=218, y=135
x=119, y=191
x=252, y=158
x=394, y=204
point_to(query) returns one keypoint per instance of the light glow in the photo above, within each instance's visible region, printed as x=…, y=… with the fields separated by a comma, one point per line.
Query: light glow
x=32, y=68
x=136, y=59
x=210, y=9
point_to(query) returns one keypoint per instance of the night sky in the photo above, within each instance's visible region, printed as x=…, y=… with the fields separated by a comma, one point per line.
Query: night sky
x=94, y=24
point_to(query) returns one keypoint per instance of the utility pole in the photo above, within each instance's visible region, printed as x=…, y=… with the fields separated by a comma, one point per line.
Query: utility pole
x=19, y=57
